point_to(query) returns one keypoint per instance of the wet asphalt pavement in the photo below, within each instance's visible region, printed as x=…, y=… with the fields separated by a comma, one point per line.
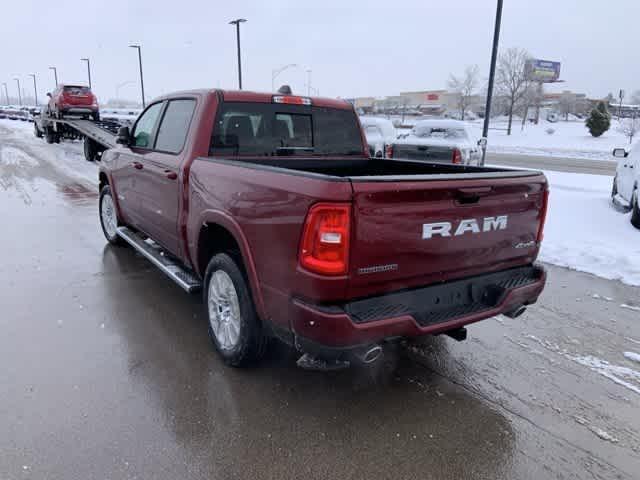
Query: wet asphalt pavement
x=106, y=371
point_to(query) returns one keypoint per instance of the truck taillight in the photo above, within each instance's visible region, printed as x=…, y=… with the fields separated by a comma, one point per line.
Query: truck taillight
x=457, y=156
x=543, y=216
x=388, y=151
x=325, y=240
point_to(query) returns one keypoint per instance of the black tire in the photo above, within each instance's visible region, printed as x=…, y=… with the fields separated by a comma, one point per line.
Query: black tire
x=113, y=239
x=90, y=151
x=36, y=131
x=252, y=341
x=50, y=136
x=96, y=116
x=614, y=187
x=56, y=138
x=635, y=210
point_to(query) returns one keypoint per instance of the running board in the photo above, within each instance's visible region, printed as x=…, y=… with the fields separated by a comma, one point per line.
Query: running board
x=149, y=249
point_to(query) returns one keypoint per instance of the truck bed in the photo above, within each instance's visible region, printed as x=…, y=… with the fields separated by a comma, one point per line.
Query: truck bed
x=375, y=169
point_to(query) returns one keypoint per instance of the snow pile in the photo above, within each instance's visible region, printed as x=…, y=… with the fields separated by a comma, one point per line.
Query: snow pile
x=585, y=233
x=569, y=139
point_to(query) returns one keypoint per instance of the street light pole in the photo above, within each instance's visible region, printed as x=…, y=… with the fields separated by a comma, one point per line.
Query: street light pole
x=278, y=71
x=6, y=92
x=35, y=89
x=492, y=74
x=88, y=69
x=140, y=65
x=237, y=23
x=308, y=82
x=55, y=75
x=19, y=94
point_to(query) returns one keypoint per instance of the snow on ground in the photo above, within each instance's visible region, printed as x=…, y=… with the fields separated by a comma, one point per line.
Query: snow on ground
x=67, y=156
x=584, y=232
x=569, y=139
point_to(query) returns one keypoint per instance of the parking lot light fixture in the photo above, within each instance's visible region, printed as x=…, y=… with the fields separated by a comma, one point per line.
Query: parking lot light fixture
x=237, y=23
x=140, y=65
x=88, y=69
x=35, y=88
x=19, y=94
x=55, y=75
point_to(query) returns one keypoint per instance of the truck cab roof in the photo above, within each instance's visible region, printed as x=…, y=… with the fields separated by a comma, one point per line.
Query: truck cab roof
x=258, y=97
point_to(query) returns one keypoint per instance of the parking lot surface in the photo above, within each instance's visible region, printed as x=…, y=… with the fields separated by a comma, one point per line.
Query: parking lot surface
x=107, y=372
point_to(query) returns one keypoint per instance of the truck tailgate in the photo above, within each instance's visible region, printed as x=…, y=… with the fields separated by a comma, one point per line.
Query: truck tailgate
x=425, y=153
x=416, y=232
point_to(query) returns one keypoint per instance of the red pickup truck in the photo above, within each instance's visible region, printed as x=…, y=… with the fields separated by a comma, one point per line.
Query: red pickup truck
x=271, y=205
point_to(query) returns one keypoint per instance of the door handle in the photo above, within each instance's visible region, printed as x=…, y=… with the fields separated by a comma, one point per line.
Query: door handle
x=138, y=165
x=170, y=174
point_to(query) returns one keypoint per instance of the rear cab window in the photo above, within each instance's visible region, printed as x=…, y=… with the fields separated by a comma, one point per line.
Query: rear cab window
x=267, y=129
x=76, y=90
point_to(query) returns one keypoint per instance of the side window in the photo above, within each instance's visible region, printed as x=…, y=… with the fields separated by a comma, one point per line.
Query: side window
x=144, y=128
x=175, y=125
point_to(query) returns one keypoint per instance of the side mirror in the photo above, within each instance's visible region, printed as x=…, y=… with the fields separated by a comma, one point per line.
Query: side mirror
x=49, y=94
x=124, y=137
x=620, y=153
x=482, y=143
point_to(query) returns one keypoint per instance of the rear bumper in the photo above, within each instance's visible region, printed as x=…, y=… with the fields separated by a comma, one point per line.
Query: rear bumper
x=78, y=108
x=417, y=312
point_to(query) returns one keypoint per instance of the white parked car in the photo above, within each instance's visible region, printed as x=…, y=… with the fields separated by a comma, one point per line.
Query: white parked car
x=440, y=141
x=380, y=132
x=626, y=183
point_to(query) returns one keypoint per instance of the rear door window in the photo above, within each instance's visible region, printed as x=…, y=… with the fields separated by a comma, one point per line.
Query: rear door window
x=175, y=125
x=143, y=131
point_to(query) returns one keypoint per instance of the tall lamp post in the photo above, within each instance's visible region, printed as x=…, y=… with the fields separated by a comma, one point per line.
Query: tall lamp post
x=35, y=88
x=492, y=75
x=140, y=65
x=55, y=75
x=6, y=91
x=237, y=23
x=278, y=71
x=88, y=69
x=19, y=94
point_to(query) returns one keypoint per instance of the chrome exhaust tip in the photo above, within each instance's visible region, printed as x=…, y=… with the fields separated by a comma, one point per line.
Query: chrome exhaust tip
x=370, y=354
x=516, y=312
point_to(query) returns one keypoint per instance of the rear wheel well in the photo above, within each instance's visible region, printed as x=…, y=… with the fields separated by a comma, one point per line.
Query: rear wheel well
x=214, y=239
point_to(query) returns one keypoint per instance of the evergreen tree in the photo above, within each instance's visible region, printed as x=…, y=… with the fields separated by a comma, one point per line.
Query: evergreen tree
x=599, y=120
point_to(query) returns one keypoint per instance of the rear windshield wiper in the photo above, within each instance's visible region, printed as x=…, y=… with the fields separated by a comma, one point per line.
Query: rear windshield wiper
x=293, y=150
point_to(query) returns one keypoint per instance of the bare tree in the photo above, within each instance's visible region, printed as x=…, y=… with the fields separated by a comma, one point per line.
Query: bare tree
x=629, y=127
x=531, y=98
x=511, y=79
x=567, y=104
x=464, y=86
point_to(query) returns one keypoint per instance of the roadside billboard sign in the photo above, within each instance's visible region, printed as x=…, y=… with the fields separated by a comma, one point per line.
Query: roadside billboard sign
x=544, y=71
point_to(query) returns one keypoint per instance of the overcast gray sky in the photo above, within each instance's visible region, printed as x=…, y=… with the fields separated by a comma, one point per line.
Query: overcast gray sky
x=353, y=47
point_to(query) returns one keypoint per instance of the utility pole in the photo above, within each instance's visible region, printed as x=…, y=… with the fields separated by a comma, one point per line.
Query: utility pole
x=19, y=94
x=35, y=89
x=492, y=75
x=55, y=75
x=88, y=69
x=141, y=77
x=237, y=23
x=6, y=92
x=621, y=96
